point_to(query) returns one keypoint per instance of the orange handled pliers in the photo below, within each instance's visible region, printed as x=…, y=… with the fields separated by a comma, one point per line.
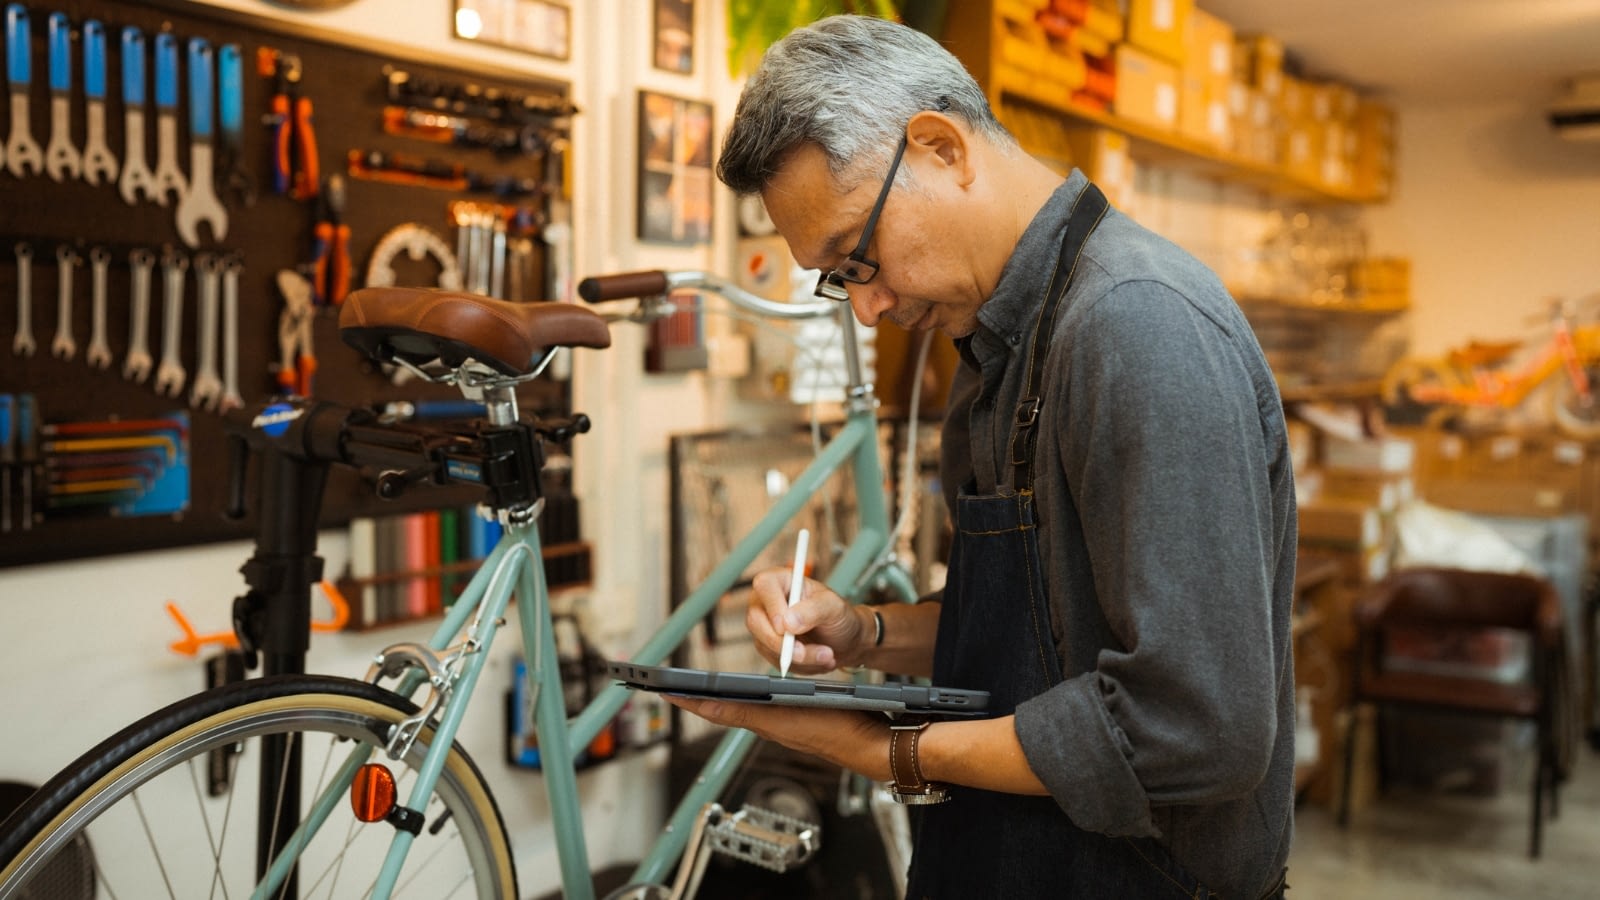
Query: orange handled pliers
x=294, y=141
x=330, y=258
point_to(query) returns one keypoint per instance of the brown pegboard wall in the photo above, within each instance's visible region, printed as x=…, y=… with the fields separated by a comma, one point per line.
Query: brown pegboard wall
x=347, y=84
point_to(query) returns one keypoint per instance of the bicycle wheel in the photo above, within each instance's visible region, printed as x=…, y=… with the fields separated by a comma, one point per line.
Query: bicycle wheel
x=1576, y=415
x=144, y=798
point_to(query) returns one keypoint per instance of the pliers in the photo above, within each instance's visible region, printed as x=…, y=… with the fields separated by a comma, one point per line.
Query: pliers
x=294, y=142
x=330, y=258
x=297, y=363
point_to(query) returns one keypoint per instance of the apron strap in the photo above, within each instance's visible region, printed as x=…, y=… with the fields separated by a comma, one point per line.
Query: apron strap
x=1088, y=208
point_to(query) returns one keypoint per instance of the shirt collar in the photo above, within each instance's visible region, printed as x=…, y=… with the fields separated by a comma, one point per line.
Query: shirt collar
x=1005, y=318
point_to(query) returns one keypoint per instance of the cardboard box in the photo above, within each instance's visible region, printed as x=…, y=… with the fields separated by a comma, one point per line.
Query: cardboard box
x=1102, y=154
x=1387, y=454
x=1258, y=61
x=1346, y=524
x=1160, y=27
x=1147, y=88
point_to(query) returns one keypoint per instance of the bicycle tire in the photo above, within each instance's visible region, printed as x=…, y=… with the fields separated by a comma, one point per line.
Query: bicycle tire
x=152, y=756
x=1574, y=417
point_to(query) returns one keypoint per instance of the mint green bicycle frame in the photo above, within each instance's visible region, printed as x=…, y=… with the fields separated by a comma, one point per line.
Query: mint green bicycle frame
x=866, y=564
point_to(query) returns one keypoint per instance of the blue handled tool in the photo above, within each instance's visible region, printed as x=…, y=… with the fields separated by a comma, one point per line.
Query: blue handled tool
x=27, y=453
x=8, y=456
x=200, y=203
x=169, y=178
x=22, y=155
x=61, y=159
x=136, y=178
x=233, y=182
x=98, y=162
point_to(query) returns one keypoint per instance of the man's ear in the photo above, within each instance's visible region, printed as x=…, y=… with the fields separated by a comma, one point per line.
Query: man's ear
x=938, y=135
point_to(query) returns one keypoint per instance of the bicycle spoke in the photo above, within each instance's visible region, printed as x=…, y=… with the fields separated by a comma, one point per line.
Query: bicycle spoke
x=205, y=819
x=277, y=807
x=155, y=852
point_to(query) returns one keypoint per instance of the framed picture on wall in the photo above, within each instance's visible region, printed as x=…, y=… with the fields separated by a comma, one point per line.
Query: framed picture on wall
x=674, y=35
x=675, y=180
x=541, y=27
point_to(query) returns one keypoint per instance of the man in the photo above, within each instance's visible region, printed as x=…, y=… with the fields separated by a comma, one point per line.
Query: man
x=1123, y=560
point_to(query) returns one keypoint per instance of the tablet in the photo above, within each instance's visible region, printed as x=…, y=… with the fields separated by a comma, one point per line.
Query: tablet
x=893, y=698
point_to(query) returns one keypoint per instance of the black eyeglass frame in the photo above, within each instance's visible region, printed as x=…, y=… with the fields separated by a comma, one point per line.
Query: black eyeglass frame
x=857, y=268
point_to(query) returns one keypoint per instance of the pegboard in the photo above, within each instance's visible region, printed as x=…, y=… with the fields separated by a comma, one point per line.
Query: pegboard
x=349, y=85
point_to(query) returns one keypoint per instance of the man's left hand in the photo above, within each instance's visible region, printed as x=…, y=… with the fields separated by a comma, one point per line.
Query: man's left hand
x=858, y=741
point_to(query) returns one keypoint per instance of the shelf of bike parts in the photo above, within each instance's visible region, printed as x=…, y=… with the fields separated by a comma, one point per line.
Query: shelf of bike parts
x=1062, y=79
x=411, y=595
x=142, y=306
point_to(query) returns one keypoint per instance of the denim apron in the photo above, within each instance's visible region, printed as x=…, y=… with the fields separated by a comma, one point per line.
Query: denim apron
x=994, y=635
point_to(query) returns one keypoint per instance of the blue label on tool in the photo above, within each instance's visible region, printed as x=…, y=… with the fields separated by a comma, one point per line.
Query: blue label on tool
x=60, y=32
x=463, y=471
x=166, y=71
x=133, y=66
x=94, y=60
x=275, y=419
x=19, y=59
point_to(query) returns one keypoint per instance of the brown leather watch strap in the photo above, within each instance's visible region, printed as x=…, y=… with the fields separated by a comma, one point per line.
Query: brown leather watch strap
x=909, y=785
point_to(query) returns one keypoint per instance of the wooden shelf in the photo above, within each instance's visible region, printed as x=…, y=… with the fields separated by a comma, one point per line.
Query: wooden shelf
x=1346, y=391
x=1166, y=148
x=1364, y=307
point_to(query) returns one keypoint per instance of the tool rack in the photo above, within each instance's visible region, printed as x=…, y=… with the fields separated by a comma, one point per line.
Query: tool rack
x=506, y=138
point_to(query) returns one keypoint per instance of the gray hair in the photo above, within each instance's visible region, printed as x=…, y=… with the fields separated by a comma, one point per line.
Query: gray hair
x=848, y=84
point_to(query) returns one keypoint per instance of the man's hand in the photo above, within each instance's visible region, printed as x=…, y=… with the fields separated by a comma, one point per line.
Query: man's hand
x=858, y=741
x=829, y=632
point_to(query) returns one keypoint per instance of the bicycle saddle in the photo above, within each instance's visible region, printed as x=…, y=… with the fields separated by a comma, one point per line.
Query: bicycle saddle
x=420, y=325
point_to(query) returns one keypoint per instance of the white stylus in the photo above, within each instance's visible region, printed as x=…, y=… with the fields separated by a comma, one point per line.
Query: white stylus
x=796, y=584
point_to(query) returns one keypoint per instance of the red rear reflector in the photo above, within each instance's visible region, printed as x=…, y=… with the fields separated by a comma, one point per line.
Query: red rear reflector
x=372, y=793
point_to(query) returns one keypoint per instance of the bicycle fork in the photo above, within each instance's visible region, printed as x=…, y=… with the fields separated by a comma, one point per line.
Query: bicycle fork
x=451, y=673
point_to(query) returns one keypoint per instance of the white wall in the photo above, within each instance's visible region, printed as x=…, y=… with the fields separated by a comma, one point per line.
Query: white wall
x=1496, y=213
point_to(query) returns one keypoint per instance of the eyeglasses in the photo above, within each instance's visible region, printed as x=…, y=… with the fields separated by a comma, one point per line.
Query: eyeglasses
x=857, y=268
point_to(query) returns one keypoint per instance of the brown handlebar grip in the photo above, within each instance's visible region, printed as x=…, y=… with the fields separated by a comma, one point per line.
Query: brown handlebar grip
x=623, y=286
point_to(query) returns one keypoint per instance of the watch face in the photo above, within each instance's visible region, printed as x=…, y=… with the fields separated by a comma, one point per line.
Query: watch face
x=753, y=219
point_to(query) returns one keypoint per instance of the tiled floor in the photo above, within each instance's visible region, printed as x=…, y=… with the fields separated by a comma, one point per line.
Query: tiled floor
x=1421, y=845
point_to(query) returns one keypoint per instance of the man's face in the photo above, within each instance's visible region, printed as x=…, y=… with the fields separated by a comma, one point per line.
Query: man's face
x=920, y=278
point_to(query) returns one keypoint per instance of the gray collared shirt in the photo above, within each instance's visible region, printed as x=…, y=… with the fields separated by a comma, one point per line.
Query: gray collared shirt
x=1167, y=528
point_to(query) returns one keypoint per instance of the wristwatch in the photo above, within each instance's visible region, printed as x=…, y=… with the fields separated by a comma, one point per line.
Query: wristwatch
x=909, y=786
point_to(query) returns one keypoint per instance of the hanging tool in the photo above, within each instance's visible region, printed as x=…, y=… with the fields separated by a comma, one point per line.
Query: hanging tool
x=136, y=367
x=297, y=364
x=207, y=391
x=23, y=344
x=170, y=374
x=330, y=259
x=230, y=334
x=294, y=157
x=233, y=182
x=97, y=159
x=67, y=259
x=23, y=156
x=61, y=159
x=168, y=178
x=27, y=453
x=399, y=168
x=136, y=177
x=99, y=353
x=8, y=456
x=200, y=204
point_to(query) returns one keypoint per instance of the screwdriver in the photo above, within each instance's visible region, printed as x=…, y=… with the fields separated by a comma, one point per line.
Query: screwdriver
x=8, y=457
x=26, y=412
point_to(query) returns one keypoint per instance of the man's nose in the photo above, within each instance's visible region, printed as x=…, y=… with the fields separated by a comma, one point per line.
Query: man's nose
x=869, y=302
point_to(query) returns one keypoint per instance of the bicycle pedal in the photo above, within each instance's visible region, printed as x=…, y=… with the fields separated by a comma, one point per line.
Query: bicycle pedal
x=765, y=838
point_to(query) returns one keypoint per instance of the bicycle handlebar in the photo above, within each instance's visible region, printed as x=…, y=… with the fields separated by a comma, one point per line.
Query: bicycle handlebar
x=630, y=285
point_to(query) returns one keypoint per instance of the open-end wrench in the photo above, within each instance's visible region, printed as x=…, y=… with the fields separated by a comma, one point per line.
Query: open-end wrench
x=136, y=367
x=207, y=388
x=169, y=372
x=23, y=156
x=136, y=177
x=67, y=259
x=97, y=159
x=61, y=159
x=99, y=352
x=233, y=182
x=230, y=334
x=23, y=344
x=169, y=179
x=200, y=204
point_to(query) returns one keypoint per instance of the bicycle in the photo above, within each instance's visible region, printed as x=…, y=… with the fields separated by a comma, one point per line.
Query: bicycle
x=1476, y=377
x=433, y=827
